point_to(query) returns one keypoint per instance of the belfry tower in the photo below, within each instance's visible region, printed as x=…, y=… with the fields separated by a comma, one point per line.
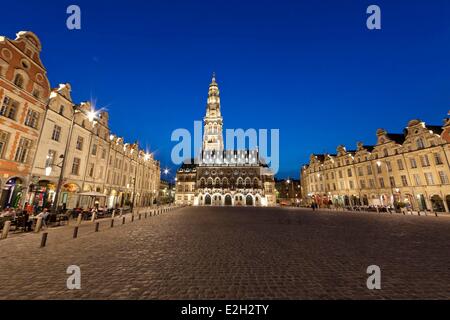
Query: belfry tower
x=213, y=121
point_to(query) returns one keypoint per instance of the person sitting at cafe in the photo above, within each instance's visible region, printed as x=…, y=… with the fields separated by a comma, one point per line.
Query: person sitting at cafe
x=28, y=208
x=44, y=215
x=27, y=222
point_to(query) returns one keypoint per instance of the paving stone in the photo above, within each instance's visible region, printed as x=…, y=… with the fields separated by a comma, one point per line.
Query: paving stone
x=235, y=253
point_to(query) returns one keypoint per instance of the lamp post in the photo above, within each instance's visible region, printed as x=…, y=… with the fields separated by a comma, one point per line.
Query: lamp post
x=92, y=116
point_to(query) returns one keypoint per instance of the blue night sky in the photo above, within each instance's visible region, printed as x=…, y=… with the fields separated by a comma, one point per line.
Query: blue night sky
x=309, y=68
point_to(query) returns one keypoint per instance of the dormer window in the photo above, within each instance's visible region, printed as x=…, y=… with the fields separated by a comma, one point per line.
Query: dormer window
x=420, y=144
x=19, y=80
x=36, y=93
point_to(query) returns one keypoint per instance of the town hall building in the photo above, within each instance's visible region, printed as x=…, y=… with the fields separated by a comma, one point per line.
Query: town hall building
x=222, y=177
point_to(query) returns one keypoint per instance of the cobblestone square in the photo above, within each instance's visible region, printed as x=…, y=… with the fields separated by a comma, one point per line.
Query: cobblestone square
x=235, y=253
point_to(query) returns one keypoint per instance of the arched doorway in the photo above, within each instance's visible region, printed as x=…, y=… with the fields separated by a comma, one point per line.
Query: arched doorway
x=422, y=203
x=111, y=199
x=408, y=200
x=69, y=197
x=42, y=194
x=437, y=203
x=217, y=200
x=12, y=193
x=249, y=200
x=207, y=200
x=346, y=200
x=228, y=201
x=238, y=200
x=365, y=200
x=447, y=199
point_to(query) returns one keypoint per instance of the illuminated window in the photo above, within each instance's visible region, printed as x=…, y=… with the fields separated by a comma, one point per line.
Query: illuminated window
x=23, y=150
x=49, y=160
x=32, y=119
x=443, y=177
x=429, y=178
x=80, y=141
x=76, y=166
x=420, y=144
x=56, y=134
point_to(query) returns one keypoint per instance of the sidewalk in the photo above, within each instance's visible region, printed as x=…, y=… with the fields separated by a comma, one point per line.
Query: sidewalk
x=87, y=227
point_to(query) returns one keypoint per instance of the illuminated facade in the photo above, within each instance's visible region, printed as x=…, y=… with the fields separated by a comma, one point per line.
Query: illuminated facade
x=408, y=170
x=24, y=90
x=222, y=177
x=97, y=161
x=35, y=129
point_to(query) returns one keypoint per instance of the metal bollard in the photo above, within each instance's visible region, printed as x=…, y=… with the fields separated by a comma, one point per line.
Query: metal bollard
x=145, y=215
x=6, y=228
x=38, y=225
x=132, y=217
x=123, y=220
x=112, y=223
x=80, y=217
x=44, y=239
x=97, y=226
x=140, y=216
x=75, y=232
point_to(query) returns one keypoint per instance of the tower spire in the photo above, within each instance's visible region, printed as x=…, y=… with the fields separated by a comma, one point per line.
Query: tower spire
x=213, y=138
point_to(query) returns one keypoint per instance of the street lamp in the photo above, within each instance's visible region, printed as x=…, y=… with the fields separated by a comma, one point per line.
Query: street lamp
x=49, y=168
x=48, y=171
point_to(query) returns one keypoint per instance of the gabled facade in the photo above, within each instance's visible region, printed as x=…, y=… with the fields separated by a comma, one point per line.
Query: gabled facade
x=24, y=92
x=38, y=125
x=401, y=170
